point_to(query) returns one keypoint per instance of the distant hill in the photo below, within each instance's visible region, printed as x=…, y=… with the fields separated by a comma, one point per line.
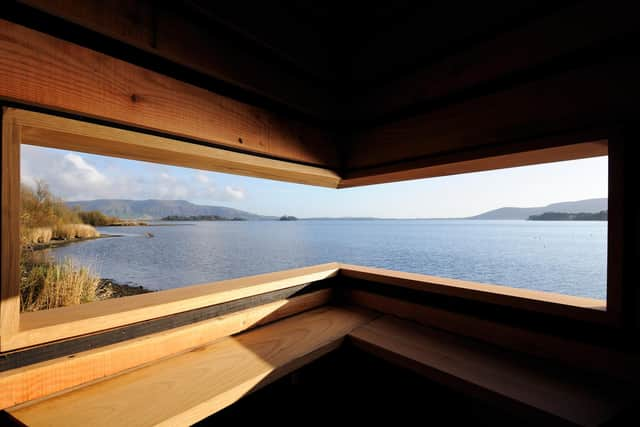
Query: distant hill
x=588, y=206
x=156, y=209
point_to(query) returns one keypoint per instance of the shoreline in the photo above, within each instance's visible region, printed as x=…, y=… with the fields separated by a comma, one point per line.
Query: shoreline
x=58, y=243
x=109, y=289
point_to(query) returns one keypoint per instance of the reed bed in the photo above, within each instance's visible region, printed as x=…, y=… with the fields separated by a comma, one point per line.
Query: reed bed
x=48, y=285
x=37, y=235
x=74, y=231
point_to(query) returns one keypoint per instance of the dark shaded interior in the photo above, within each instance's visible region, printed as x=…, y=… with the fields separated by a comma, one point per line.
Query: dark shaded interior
x=352, y=386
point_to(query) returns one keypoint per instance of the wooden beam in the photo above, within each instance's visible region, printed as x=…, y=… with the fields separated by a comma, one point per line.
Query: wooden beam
x=167, y=30
x=10, y=223
x=52, y=376
x=584, y=98
x=591, y=358
x=57, y=132
x=479, y=159
x=536, y=389
x=193, y=385
x=538, y=42
x=43, y=71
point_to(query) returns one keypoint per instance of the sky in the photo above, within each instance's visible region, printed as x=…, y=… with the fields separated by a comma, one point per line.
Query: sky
x=80, y=176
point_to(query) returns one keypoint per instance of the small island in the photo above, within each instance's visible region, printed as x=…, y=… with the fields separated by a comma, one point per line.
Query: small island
x=201, y=218
x=565, y=216
x=288, y=218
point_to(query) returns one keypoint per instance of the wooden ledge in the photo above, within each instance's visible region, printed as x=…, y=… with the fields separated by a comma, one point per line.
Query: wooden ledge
x=49, y=325
x=581, y=308
x=61, y=323
x=500, y=376
x=51, y=374
x=186, y=388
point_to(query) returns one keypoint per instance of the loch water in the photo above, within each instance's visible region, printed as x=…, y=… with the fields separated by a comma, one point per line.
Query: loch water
x=568, y=257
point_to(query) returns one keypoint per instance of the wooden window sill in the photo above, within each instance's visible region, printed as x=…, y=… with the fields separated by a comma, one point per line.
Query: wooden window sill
x=588, y=309
x=65, y=322
x=195, y=384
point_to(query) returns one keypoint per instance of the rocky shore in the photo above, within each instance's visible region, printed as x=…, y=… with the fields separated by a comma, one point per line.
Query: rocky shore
x=109, y=288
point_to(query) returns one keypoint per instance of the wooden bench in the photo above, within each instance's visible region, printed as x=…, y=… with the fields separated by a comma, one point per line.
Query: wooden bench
x=188, y=387
x=184, y=389
x=541, y=392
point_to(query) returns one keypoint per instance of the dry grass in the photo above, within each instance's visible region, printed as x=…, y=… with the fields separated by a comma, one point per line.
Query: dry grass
x=44, y=283
x=48, y=285
x=74, y=231
x=37, y=235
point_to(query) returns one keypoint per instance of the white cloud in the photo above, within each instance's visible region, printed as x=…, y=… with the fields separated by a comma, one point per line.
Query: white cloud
x=82, y=170
x=234, y=193
x=202, y=178
x=28, y=180
x=76, y=176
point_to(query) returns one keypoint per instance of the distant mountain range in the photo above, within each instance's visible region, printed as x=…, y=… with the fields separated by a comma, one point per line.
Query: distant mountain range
x=156, y=209
x=589, y=206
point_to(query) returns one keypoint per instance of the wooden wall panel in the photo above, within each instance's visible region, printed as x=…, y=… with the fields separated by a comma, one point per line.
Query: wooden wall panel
x=549, y=149
x=537, y=43
x=167, y=30
x=594, y=96
x=41, y=70
x=572, y=353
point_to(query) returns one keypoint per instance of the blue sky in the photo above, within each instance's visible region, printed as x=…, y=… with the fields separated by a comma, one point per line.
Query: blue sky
x=81, y=176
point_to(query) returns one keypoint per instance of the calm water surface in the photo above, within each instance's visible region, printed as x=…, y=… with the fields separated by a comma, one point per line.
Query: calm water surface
x=564, y=257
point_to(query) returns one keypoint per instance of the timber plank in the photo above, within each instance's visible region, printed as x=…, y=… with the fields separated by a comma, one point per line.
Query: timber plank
x=52, y=376
x=10, y=222
x=469, y=366
x=583, y=98
x=43, y=71
x=49, y=325
x=540, y=41
x=545, y=302
x=193, y=385
x=67, y=134
x=544, y=150
x=569, y=352
x=68, y=347
x=166, y=30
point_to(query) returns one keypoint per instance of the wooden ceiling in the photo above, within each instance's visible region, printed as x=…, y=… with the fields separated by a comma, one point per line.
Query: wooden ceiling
x=390, y=85
x=357, y=45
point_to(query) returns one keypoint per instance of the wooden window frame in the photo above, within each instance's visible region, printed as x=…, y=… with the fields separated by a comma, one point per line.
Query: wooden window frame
x=28, y=329
x=19, y=330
